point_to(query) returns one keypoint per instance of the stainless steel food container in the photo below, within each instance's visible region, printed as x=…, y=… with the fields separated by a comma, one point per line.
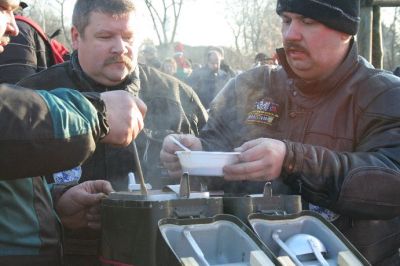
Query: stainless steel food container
x=130, y=222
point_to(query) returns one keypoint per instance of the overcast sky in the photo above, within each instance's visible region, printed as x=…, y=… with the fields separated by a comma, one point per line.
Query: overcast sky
x=202, y=22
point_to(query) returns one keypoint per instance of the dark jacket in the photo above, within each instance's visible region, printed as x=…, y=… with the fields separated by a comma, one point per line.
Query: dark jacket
x=207, y=83
x=397, y=71
x=41, y=133
x=172, y=107
x=342, y=137
x=26, y=54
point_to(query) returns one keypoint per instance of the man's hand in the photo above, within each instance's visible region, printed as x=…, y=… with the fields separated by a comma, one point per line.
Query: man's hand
x=260, y=160
x=125, y=114
x=79, y=206
x=167, y=154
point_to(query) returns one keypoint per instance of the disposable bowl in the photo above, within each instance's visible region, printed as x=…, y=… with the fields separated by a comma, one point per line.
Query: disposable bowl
x=203, y=163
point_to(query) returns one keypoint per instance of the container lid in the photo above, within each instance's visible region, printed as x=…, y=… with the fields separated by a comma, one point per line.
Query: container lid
x=306, y=222
x=208, y=240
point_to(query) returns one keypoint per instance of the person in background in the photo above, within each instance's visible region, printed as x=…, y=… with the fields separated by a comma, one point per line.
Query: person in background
x=150, y=56
x=29, y=52
x=261, y=59
x=224, y=66
x=47, y=131
x=397, y=71
x=106, y=48
x=184, y=66
x=169, y=66
x=326, y=124
x=209, y=80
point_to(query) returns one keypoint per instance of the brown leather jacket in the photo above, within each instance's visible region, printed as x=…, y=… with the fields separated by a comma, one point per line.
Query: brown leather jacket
x=342, y=137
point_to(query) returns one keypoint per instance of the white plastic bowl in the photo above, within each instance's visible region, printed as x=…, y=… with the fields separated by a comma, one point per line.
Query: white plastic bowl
x=205, y=163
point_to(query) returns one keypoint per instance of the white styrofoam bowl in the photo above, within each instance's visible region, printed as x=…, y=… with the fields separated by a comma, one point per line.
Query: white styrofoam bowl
x=205, y=163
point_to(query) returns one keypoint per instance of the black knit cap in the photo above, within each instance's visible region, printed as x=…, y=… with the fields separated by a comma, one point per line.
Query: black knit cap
x=341, y=15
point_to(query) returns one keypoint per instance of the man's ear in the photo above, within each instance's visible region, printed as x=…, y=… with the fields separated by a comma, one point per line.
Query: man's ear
x=75, y=37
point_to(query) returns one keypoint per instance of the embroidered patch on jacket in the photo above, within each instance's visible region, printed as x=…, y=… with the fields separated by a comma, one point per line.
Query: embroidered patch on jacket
x=265, y=112
x=327, y=214
x=68, y=175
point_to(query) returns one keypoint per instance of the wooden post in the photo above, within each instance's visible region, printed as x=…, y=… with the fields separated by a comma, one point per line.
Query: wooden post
x=364, y=36
x=377, y=52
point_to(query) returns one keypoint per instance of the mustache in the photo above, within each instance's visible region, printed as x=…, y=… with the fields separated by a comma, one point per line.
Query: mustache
x=119, y=59
x=294, y=46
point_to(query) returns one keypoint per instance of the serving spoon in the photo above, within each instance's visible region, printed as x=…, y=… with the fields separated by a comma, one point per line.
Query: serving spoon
x=177, y=142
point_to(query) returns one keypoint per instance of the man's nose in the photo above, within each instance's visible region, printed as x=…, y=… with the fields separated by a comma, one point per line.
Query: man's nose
x=292, y=32
x=12, y=27
x=119, y=46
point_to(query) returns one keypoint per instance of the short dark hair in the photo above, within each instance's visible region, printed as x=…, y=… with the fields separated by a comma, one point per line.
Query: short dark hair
x=83, y=8
x=261, y=57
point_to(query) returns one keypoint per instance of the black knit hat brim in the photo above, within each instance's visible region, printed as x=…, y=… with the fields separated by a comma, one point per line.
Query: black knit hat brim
x=328, y=15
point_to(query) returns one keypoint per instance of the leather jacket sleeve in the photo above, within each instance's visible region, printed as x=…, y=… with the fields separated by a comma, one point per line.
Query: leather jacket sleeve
x=44, y=132
x=362, y=183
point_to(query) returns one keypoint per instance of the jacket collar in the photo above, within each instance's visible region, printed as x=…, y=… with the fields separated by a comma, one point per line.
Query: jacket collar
x=131, y=83
x=322, y=86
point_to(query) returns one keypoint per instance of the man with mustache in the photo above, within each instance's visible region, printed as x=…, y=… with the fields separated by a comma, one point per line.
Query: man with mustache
x=46, y=131
x=105, y=40
x=326, y=124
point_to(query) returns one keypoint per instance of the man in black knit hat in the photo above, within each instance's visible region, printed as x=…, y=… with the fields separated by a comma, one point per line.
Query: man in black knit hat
x=326, y=124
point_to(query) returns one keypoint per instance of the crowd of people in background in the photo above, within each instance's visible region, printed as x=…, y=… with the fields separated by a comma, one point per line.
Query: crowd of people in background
x=206, y=77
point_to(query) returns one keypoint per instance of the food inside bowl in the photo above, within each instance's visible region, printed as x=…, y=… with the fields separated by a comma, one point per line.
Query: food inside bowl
x=203, y=163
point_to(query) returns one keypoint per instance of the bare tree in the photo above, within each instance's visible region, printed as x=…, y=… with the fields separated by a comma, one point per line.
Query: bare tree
x=255, y=26
x=165, y=15
x=61, y=9
x=49, y=14
x=391, y=42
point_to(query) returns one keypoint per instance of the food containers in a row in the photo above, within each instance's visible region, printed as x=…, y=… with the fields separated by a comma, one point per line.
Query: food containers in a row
x=304, y=238
x=167, y=228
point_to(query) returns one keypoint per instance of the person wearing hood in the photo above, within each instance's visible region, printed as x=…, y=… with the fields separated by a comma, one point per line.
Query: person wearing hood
x=326, y=124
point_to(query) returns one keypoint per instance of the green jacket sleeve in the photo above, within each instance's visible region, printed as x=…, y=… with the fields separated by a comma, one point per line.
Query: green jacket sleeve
x=43, y=132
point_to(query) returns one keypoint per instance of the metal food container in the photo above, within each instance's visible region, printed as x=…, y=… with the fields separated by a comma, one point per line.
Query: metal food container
x=266, y=203
x=220, y=240
x=130, y=221
x=289, y=236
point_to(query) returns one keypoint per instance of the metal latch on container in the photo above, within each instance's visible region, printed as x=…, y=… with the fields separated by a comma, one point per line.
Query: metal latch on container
x=184, y=189
x=267, y=194
x=267, y=190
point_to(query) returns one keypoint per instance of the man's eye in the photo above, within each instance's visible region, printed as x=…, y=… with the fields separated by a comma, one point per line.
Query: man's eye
x=286, y=20
x=308, y=21
x=127, y=38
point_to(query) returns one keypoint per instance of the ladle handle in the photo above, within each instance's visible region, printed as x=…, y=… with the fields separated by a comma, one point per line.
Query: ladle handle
x=276, y=238
x=317, y=252
x=177, y=142
x=195, y=246
x=138, y=167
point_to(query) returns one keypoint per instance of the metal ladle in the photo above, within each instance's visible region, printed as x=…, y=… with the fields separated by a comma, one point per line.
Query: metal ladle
x=316, y=248
x=285, y=248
